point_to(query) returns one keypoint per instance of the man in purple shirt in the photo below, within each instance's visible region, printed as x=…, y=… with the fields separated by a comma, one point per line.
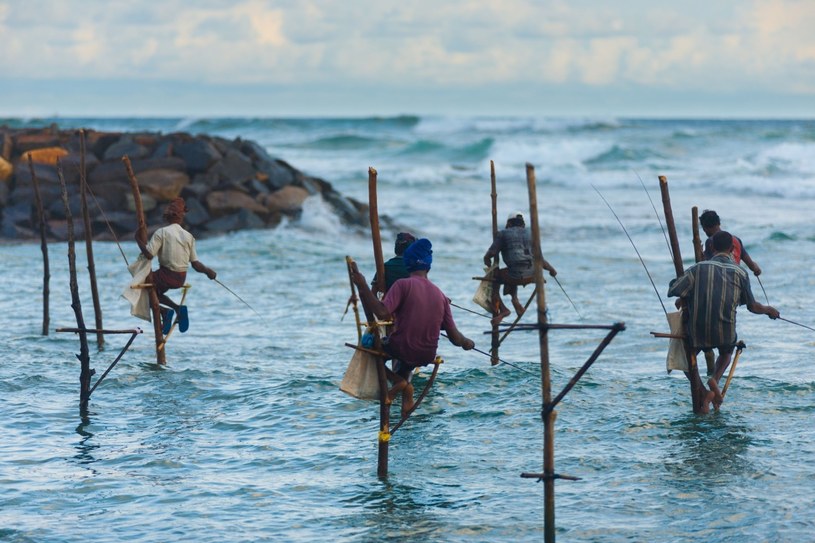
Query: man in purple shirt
x=420, y=310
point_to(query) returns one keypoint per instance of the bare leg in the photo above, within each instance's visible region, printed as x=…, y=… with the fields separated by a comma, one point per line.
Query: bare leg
x=715, y=395
x=165, y=300
x=407, y=400
x=722, y=362
x=503, y=312
x=519, y=307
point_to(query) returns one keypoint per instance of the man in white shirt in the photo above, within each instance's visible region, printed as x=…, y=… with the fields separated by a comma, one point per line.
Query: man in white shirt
x=175, y=248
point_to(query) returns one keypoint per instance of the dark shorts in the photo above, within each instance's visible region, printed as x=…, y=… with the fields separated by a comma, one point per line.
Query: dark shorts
x=165, y=279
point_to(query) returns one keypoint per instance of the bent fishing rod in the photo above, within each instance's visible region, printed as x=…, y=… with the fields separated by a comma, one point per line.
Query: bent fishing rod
x=635, y=249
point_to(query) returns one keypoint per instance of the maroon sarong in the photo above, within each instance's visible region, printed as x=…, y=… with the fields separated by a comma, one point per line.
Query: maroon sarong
x=164, y=279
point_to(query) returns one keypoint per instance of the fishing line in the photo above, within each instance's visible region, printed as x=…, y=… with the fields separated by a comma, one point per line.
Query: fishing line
x=107, y=222
x=796, y=323
x=664, y=233
x=229, y=290
x=635, y=249
x=502, y=361
x=762, y=289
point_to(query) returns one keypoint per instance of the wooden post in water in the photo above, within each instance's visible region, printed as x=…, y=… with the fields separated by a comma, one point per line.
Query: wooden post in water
x=546, y=383
x=86, y=217
x=696, y=386
x=141, y=232
x=496, y=290
x=84, y=358
x=46, y=268
x=384, y=407
x=698, y=254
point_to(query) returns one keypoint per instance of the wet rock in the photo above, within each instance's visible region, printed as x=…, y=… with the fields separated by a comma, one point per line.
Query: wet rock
x=163, y=184
x=126, y=147
x=288, y=200
x=197, y=154
x=6, y=169
x=240, y=220
x=197, y=214
x=225, y=202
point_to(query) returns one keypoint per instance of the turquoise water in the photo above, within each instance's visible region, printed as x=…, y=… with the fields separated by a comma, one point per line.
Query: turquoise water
x=244, y=436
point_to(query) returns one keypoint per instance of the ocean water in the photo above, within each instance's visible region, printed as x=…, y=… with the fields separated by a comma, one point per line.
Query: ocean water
x=245, y=436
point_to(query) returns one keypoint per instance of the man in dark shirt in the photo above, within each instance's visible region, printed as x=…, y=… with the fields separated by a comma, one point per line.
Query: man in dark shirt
x=515, y=247
x=712, y=290
x=710, y=222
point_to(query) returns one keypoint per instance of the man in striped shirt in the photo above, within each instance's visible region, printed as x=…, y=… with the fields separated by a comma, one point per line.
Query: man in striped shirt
x=711, y=291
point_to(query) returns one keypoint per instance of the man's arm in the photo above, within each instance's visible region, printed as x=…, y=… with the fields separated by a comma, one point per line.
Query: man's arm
x=548, y=267
x=750, y=262
x=458, y=339
x=142, y=243
x=367, y=297
x=200, y=268
x=761, y=309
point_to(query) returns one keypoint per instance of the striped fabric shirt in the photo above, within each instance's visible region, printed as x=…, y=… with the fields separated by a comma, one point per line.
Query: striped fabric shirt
x=713, y=290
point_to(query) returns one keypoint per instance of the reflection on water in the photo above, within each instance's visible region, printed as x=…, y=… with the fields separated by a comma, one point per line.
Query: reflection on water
x=712, y=447
x=85, y=447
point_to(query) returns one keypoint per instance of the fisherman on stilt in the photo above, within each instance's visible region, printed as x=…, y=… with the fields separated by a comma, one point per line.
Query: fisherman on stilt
x=711, y=290
x=419, y=310
x=175, y=248
x=515, y=246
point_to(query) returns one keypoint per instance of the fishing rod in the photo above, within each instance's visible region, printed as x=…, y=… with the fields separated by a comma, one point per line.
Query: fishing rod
x=762, y=289
x=796, y=323
x=471, y=311
x=502, y=361
x=635, y=249
x=229, y=290
x=567, y=297
x=664, y=233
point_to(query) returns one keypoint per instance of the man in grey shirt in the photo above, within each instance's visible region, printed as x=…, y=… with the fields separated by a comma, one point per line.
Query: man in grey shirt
x=515, y=247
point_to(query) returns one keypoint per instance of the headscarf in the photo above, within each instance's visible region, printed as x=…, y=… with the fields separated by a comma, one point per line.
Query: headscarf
x=175, y=209
x=419, y=255
x=403, y=240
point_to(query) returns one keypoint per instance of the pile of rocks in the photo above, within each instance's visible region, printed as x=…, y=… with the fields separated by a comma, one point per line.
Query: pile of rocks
x=227, y=185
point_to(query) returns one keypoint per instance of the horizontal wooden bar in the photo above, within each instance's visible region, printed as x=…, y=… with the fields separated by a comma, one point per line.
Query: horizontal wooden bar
x=669, y=336
x=98, y=331
x=366, y=350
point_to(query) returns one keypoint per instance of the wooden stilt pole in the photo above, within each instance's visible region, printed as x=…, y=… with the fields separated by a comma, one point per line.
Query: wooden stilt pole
x=546, y=383
x=46, y=268
x=84, y=358
x=83, y=191
x=141, y=232
x=696, y=387
x=710, y=360
x=496, y=288
x=384, y=406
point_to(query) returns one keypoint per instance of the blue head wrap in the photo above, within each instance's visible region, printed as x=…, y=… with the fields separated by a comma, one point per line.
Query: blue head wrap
x=419, y=255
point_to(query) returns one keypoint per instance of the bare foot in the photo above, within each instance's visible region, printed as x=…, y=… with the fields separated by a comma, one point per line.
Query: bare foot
x=705, y=409
x=718, y=399
x=407, y=400
x=496, y=320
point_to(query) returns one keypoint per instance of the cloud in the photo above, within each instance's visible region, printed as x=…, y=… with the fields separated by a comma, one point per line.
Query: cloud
x=725, y=46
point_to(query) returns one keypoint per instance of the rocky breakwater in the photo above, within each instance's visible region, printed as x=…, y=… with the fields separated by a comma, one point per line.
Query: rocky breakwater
x=227, y=185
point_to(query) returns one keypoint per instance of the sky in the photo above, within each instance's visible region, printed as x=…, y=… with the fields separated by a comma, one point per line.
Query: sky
x=340, y=58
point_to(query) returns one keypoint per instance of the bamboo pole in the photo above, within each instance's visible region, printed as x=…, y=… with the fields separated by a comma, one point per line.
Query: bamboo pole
x=697, y=241
x=46, y=267
x=548, y=415
x=83, y=191
x=696, y=386
x=76, y=304
x=710, y=360
x=141, y=232
x=384, y=405
x=496, y=288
